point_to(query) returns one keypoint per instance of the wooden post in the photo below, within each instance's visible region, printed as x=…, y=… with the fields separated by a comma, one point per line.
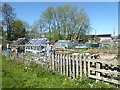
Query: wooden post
x=88, y=68
x=52, y=62
x=84, y=66
x=49, y=61
x=55, y=62
x=69, y=60
x=98, y=68
x=77, y=71
x=67, y=65
x=73, y=67
x=58, y=62
x=61, y=63
x=64, y=57
x=80, y=66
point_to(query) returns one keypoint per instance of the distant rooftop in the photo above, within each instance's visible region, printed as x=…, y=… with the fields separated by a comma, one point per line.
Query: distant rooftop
x=102, y=35
x=63, y=41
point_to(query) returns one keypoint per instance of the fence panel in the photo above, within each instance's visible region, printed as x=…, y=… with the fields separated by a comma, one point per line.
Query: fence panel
x=75, y=65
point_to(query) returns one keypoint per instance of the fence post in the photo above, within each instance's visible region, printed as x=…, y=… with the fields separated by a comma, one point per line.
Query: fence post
x=64, y=57
x=98, y=68
x=58, y=62
x=67, y=65
x=61, y=63
x=80, y=66
x=53, y=62
x=84, y=66
x=88, y=68
x=49, y=63
x=69, y=60
x=77, y=71
x=73, y=67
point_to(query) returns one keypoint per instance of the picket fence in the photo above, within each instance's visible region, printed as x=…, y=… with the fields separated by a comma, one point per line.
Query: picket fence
x=75, y=66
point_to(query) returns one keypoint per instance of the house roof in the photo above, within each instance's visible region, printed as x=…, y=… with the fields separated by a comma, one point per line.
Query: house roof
x=37, y=42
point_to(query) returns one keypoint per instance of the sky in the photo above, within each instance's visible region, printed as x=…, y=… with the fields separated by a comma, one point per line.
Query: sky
x=103, y=15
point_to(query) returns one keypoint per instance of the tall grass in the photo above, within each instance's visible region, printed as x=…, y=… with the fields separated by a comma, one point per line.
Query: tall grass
x=18, y=75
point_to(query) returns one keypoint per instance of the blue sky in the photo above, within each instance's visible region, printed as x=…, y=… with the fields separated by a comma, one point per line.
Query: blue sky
x=103, y=15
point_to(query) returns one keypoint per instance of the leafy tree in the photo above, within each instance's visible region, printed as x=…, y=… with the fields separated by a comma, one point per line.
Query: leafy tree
x=54, y=35
x=2, y=36
x=9, y=17
x=48, y=18
x=42, y=27
x=68, y=22
x=26, y=26
x=18, y=30
x=34, y=29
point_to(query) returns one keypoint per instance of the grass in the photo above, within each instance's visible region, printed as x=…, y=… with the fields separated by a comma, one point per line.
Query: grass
x=18, y=75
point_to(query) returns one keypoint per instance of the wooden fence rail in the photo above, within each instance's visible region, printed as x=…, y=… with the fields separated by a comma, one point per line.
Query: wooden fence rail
x=75, y=66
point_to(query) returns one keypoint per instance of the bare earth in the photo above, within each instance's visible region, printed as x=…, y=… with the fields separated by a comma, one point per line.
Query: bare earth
x=107, y=56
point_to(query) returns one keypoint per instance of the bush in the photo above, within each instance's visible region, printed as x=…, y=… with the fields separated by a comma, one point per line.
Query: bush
x=105, y=47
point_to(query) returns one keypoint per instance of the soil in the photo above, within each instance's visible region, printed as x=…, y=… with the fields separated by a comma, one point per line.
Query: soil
x=107, y=56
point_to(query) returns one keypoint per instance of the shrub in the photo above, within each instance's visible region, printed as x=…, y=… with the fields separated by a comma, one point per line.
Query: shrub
x=105, y=47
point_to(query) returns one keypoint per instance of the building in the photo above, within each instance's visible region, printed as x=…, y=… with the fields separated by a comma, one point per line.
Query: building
x=19, y=44
x=36, y=46
x=105, y=39
x=64, y=44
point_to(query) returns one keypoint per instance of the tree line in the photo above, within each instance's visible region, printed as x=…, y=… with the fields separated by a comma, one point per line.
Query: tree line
x=65, y=22
x=61, y=22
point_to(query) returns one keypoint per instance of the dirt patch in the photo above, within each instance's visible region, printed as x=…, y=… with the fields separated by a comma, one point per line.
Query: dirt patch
x=107, y=56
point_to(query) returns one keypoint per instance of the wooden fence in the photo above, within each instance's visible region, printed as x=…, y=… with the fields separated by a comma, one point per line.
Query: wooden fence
x=74, y=66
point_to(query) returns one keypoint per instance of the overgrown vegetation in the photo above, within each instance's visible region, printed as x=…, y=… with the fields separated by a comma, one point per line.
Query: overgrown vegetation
x=18, y=75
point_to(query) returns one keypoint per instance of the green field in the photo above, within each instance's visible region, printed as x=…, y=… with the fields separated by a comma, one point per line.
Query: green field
x=17, y=75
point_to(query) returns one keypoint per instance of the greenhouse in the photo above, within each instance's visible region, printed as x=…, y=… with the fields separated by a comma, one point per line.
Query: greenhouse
x=36, y=46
